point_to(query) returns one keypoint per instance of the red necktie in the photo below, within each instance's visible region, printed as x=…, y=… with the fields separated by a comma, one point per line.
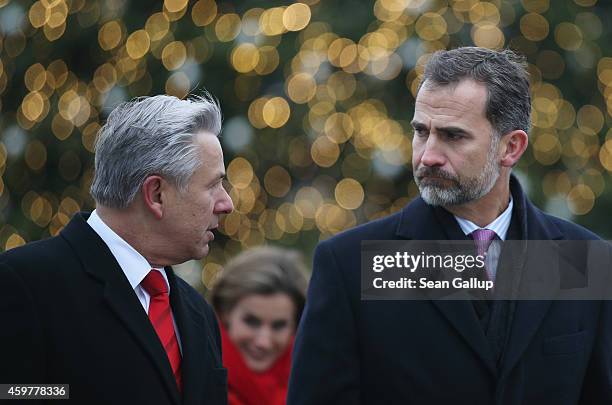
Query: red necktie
x=160, y=315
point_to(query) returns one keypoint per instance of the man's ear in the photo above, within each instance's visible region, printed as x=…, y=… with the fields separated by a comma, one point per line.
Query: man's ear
x=514, y=145
x=152, y=195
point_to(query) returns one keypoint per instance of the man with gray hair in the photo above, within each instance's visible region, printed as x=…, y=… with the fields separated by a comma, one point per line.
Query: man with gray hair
x=98, y=307
x=471, y=120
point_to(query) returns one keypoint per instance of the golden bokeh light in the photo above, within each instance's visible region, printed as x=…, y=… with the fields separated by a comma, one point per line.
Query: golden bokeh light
x=484, y=13
x=604, y=70
x=245, y=57
x=301, y=87
x=389, y=10
x=250, y=21
x=271, y=21
x=227, y=27
x=580, y=199
x=210, y=273
x=308, y=199
x=277, y=181
x=255, y=112
x=243, y=199
x=342, y=84
x=89, y=135
x=33, y=105
x=339, y=127
x=544, y=112
x=105, y=77
x=110, y=35
x=54, y=33
x=13, y=241
x=535, y=6
x=590, y=119
x=566, y=115
x=534, y=27
x=289, y=218
x=349, y=194
x=35, y=77
x=488, y=35
x=204, y=12
x=594, y=180
x=57, y=73
x=175, y=6
x=137, y=44
x=268, y=226
x=178, y=85
x=430, y=26
x=324, y=152
x=240, y=173
x=296, y=17
x=38, y=15
x=41, y=211
x=568, y=36
x=299, y=152
x=157, y=26
x=547, y=149
x=61, y=127
x=57, y=12
x=276, y=112
x=605, y=155
x=268, y=60
x=174, y=55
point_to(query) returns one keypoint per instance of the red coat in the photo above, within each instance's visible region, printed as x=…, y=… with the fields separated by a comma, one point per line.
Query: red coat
x=247, y=387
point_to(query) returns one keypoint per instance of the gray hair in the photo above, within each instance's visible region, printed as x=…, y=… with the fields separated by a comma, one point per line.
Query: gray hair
x=263, y=270
x=508, y=105
x=150, y=135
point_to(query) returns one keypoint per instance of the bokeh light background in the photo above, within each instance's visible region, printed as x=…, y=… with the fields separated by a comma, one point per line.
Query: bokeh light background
x=317, y=98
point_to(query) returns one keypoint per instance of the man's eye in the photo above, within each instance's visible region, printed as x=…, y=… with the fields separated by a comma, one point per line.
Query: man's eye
x=420, y=132
x=453, y=136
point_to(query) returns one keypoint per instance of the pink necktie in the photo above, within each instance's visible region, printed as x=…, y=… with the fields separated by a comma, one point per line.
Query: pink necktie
x=482, y=239
x=160, y=316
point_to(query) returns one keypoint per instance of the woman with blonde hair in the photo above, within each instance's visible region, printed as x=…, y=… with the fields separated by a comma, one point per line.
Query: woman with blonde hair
x=259, y=297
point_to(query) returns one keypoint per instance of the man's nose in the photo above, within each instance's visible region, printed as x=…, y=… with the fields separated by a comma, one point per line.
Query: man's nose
x=432, y=154
x=224, y=205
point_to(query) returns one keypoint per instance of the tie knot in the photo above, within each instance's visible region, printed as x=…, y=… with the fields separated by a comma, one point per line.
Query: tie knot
x=154, y=284
x=482, y=239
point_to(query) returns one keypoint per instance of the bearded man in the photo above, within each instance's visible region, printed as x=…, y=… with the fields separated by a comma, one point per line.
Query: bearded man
x=471, y=124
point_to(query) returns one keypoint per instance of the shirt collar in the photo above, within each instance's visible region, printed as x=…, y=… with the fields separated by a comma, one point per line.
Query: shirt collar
x=133, y=264
x=499, y=225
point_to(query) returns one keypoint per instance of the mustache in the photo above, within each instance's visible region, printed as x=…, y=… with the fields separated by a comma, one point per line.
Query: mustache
x=425, y=171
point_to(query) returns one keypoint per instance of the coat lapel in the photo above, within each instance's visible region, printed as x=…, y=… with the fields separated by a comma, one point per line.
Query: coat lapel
x=528, y=314
x=419, y=221
x=194, y=339
x=117, y=292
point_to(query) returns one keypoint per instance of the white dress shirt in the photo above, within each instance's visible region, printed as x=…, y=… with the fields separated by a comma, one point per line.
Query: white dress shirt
x=134, y=265
x=500, y=226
